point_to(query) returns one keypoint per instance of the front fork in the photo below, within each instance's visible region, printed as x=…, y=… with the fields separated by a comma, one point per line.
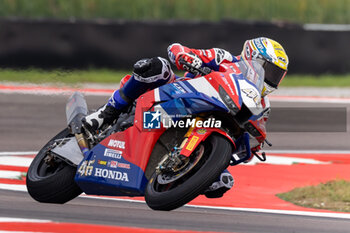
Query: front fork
x=196, y=135
x=188, y=134
x=178, y=157
x=174, y=161
x=82, y=142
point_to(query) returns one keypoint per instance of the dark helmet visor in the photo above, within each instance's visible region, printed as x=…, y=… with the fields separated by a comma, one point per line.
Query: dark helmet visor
x=273, y=73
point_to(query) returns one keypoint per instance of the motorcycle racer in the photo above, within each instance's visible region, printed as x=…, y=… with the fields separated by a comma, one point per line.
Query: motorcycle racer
x=155, y=72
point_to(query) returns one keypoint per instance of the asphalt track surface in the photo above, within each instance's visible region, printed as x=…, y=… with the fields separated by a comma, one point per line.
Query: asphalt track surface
x=28, y=121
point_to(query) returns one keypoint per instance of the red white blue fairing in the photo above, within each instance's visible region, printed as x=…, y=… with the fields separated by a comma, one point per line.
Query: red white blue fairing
x=117, y=165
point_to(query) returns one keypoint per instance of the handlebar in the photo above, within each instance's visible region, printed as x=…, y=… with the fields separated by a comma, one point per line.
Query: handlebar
x=202, y=70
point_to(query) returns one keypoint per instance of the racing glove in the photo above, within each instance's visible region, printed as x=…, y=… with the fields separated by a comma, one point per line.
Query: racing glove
x=189, y=62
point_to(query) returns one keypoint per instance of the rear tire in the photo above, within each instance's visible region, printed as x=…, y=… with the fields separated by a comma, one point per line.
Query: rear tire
x=52, y=184
x=216, y=158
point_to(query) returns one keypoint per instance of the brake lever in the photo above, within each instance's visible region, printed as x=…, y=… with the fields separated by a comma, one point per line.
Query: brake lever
x=263, y=156
x=201, y=70
x=268, y=143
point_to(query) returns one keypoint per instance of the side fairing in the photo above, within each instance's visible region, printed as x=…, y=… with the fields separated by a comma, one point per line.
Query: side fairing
x=106, y=172
x=116, y=166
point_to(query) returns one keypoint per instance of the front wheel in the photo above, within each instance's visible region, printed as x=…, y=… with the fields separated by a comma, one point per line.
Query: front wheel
x=214, y=156
x=49, y=179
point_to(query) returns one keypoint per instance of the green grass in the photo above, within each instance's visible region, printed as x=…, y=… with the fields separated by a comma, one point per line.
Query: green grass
x=310, y=11
x=326, y=80
x=333, y=195
x=111, y=76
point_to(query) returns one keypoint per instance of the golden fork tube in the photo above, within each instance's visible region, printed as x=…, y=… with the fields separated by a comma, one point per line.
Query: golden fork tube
x=188, y=134
x=83, y=145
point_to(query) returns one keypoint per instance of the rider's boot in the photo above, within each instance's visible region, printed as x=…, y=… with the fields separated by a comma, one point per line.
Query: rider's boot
x=103, y=116
x=221, y=186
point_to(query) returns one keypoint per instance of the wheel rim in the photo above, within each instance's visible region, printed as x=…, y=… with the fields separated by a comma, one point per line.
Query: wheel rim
x=46, y=169
x=166, y=182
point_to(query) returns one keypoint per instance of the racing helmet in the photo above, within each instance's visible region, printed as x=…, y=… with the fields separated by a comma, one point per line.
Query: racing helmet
x=271, y=56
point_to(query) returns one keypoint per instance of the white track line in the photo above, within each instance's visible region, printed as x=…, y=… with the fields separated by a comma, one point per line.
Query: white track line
x=6, y=219
x=15, y=161
x=308, y=151
x=285, y=212
x=14, y=187
x=19, y=153
x=253, y=210
x=281, y=160
x=10, y=174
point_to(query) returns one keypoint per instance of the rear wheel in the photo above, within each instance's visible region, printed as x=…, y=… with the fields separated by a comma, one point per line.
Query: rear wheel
x=50, y=179
x=166, y=191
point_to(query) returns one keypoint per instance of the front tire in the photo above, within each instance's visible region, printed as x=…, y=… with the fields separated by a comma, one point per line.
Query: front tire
x=216, y=158
x=54, y=182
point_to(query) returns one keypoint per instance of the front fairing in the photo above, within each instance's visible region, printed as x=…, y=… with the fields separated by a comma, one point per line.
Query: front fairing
x=187, y=98
x=251, y=82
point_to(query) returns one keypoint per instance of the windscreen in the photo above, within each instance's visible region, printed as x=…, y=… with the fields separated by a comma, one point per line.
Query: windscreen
x=253, y=72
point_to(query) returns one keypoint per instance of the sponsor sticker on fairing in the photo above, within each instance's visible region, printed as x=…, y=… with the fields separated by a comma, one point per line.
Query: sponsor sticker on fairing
x=102, y=162
x=111, y=174
x=116, y=144
x=201, y=131
x=86, y=168
x=124, y=165
x=192, y=143
x=115, y=154
x=113, y=164
x=117, y=164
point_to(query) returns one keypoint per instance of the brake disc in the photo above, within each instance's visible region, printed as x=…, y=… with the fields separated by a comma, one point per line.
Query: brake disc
x=167, y=177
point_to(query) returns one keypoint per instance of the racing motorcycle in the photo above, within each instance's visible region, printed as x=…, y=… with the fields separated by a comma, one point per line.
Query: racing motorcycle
x=169, y=146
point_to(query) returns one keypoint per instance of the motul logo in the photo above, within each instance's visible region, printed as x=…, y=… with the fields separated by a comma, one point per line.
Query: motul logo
x=116, y=144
